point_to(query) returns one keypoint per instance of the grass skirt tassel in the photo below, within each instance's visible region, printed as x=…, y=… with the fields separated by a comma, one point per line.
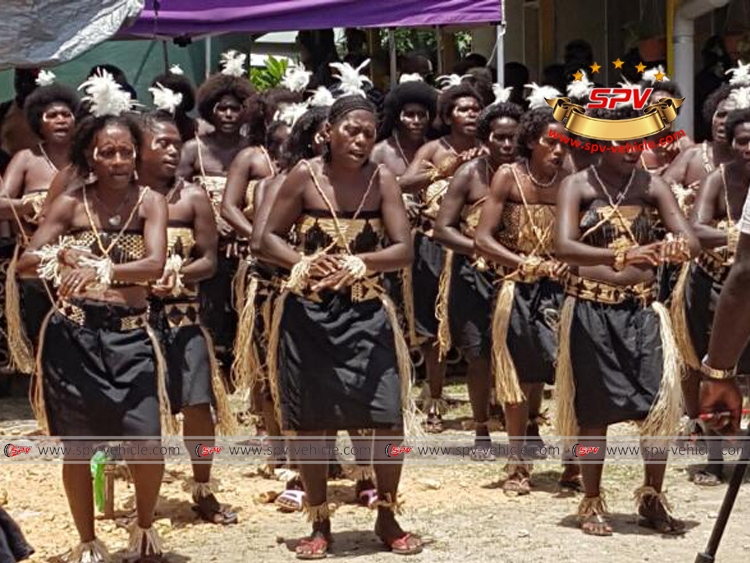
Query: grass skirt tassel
x=246, y=362
x=565, y=387
x=239, y=285
x=679, y=320
x=407, y=290
x=19, y=346
x=664, y=416
x=36, y=390
x=169, y=424
x=225, y=420
x=273, y=356
x=442, y=305
x=506, y=379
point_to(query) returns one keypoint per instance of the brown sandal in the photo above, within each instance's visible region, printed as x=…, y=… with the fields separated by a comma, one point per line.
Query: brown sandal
x=406, y=543
x=314, y=547
x=654, y=509
x=519, y=477
x=591, y=512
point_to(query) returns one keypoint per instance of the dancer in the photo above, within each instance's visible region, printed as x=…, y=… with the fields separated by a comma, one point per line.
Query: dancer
x=176, y=81
x=464, y=308
x=516, y=233
x=429, y=175
x=617, y=358
x=97, y=373
x=194, y=381
x=338, y=358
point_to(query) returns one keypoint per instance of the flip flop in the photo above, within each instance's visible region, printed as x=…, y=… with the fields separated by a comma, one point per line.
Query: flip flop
x=291, y=500
x=368, y=497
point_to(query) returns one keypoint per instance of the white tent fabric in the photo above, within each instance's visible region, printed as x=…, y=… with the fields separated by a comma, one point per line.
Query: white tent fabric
x=36, y=32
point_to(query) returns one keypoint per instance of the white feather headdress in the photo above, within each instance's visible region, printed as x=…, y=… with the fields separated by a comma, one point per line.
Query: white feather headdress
x=233, y=63
x=740, y=74
x=290, y=113
x=45, y=78
x=446, y=81
x=350, y=79
x=739, y=98
x=413, y=77
x=105, y=95
x=540, y=94
x=165, y=99
x=321, y=98
x=296, y=78
x=580, y=88
x=501, y=94
x=629, y=86
x=650, y=74
x=176, y=69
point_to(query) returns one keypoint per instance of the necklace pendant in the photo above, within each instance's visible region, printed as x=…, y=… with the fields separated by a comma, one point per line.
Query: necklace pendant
x=115, y=220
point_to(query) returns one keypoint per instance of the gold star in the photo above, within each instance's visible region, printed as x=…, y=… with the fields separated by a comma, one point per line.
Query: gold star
x=640, y=67
x=618, y=63
x=578, y=75
x=659, y=76
x=594, y=67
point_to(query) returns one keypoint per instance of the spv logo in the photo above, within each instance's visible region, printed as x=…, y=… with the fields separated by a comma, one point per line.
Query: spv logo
x=610, y=98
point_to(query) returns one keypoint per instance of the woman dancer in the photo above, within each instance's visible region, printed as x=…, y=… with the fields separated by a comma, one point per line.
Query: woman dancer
x=338, y=358
x=617, y=357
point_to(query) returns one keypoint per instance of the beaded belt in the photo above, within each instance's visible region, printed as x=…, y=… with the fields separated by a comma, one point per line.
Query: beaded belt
x=610, y=294
x=114, y=323
x=715, y=267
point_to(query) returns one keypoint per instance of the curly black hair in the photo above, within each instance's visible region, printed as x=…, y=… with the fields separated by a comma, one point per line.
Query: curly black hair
x=270, y=99
x=481, y=80
x=181, y=84
x=299, y=145
x=493, y=112
x=38, y=101
x=87, y=130
x=735, y=118
x=148, y=121
x=530, y=128
x=670, y=87
x=218, y=85
x=407, y=93
x=449, y=97
x=714, y=99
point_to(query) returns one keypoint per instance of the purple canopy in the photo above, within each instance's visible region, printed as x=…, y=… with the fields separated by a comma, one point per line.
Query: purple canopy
x=207, y=17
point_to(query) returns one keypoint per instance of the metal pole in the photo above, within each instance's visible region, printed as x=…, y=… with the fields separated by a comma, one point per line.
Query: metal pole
x=208, y=57
x=165, y=51
x=392, y=52
x=500, y=52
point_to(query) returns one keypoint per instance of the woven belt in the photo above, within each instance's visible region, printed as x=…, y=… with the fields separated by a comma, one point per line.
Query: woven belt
x=610, y=294
x=78, y=315
x=182, y=314
x=364, y=290
x=714, y=267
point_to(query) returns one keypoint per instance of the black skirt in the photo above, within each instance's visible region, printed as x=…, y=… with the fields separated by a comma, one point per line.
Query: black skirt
x=36, y=305
x=13, y=546
x=617, y=361
x=97, y=379
x=470, y=300
x=429, y=258
x=532, y=330
x=337, y=365
x=217, y=307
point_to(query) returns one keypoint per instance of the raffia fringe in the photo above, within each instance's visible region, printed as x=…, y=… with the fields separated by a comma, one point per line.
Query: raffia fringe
x=506, y=379
x=19, y=345
x=388, y=503
x=169, y=423
x=664, y=416
x=679, y=320
x=411, y=415
x=442, y=306
x=320, y=512
x=199, y=489
x=226, y=423
x=36, y=390
x=239, y=285
x=407, y=290
x=566, y=420
x=273, y=356
x=89, y=552
x=144, y=541
x=592, y=505
x=246, y=361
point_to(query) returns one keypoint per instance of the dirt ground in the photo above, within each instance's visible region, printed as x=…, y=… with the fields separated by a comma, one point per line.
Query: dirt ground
x=459, y=509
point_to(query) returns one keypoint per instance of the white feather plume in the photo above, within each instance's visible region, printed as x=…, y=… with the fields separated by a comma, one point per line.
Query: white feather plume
x=233, y=63
x=296, y=78
x=410, y=77
x=165, y=99
x=540, y=94
x=650, y=74
x=321, y=98
x=630, y=86
x=290, y=113
x=45, y=78
x=740, y=74
x=446, y=81
x=501, y=94
x=580, y=88
x=739, y=98
x=176, y=69
x=350, y=80
x=105, y=95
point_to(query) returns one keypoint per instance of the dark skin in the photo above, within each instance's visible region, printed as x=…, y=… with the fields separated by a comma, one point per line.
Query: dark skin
x=344, y=180
x=30, y=171
x=575, y=195
x=250, y=164
x=546, y=160
x=729, y=334
x=409, y=134
x=114, y=168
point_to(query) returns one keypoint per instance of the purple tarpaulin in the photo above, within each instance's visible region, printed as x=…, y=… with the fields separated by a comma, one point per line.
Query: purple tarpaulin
x=205, y=17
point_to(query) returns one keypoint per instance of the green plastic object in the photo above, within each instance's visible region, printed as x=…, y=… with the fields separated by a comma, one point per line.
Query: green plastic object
x=98, y=463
